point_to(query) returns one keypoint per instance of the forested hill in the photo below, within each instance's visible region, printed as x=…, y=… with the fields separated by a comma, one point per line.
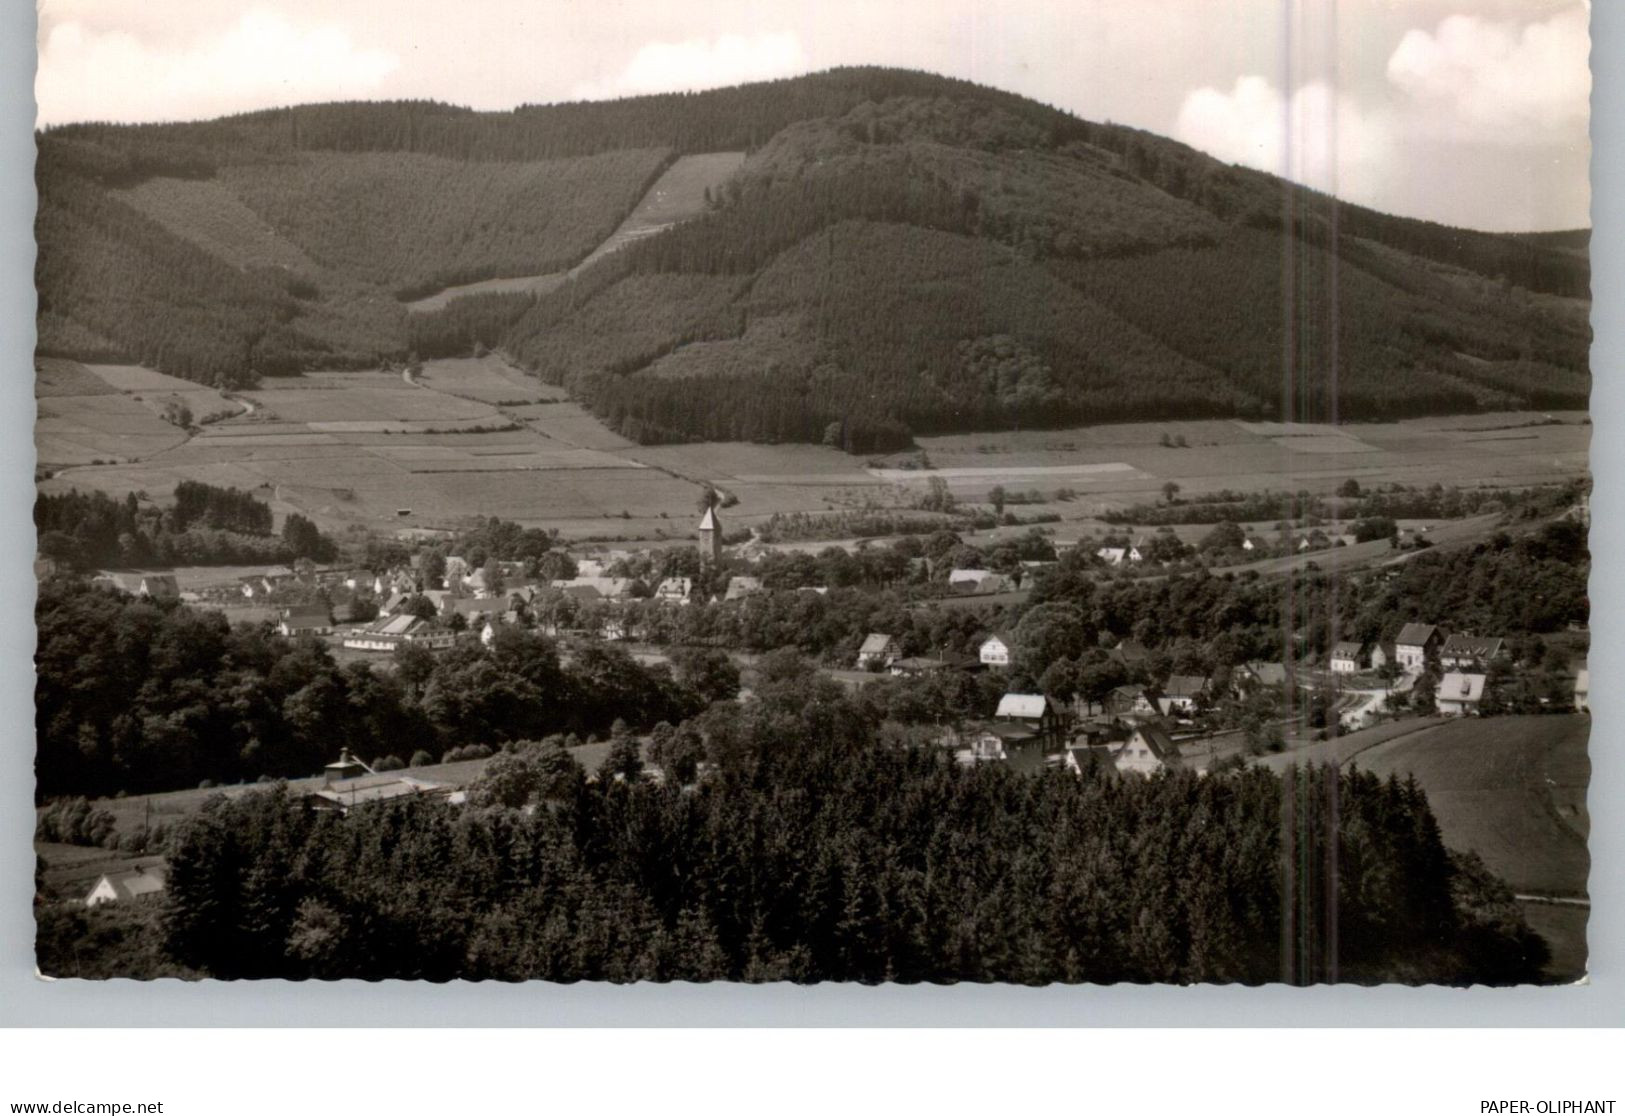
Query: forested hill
x=899, y=254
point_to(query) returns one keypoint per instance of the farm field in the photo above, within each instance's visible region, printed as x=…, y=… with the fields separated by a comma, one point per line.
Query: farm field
x=676, y=195
x=476, y=436
x=1499, y=449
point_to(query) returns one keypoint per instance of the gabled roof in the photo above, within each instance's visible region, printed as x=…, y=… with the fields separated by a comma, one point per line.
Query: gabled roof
x=376, y=788
x=1472, y=647
x=1416, y=635
x=1011, y=732
x=134, y=882
x=708, y=522
x=307, y=616
x=1268, y=674
x=875, y=643
x=968, y=575
x=1156, y=741
x=1347, y=649
x=1185, y=685
x=1029, y=706
x=1003, y=637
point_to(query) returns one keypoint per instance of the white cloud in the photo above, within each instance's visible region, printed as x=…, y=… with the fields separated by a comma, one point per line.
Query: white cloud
x=1497, y=82
x=1316, y=137
x=662, y=67
x=262, y=59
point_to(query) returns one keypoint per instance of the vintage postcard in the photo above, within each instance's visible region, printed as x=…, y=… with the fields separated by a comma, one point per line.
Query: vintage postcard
x=1074, y=491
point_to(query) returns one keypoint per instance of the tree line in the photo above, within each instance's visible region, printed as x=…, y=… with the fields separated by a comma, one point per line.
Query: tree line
x=206, y=525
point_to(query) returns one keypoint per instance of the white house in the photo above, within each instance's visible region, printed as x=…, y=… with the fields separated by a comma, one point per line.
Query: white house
x=1182, y=694
x=878, y=650
x=308, y=620
x=674, y=590
x=1348, y=657
x=1413, y=645
x=1036, y=711
x=1459, y=693
x=995, y=650
x=1147, y=751
x=139, y=882
x=1117, y=555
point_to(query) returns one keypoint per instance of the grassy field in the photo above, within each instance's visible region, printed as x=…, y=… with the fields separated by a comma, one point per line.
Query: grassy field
x=1513, y=790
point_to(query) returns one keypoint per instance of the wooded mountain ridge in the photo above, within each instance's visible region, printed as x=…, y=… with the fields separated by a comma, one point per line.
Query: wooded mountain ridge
x=900, y=254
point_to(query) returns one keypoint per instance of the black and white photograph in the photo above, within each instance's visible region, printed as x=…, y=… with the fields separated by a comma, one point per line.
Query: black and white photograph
x=1067, y=492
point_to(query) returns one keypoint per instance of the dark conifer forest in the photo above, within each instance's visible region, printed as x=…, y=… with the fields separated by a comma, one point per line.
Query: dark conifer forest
x=900, y=254
x=814, y=855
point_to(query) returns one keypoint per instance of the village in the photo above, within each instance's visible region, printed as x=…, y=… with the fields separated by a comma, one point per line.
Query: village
x=1123, y=705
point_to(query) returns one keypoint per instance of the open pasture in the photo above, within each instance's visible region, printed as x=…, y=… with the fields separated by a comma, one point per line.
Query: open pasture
x=368, y=397
x=78, y=429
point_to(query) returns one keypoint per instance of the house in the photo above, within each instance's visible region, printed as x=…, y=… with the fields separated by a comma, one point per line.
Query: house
x=1414, y=644
x=1132, y=701
x=1466, y=651
x=1009, y=742
x=596, y=588
x=878, y=651
x=1036, y=711
x=162, y=586
x=143, y=881
x=741, y=587
x=1255, y=543
x=1582, y=690
x=978, y=582
x=1147, y=751
x=389, y=632
x=1258, y=675
x=1383, y=654
x=305, y=620
x=1117, y=555
x=674, y=590
x=1182, y=694
x=473, y=609
x=343, y=795
x=996, y=649
x=1348, y=657
x=914, y=667
x=1459, y=693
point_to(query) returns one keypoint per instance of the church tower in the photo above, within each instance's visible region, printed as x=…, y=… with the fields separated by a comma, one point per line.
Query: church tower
x=711, y=537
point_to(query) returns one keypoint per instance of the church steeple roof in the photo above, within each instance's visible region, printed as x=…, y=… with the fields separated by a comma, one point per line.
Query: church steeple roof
x=709, y=523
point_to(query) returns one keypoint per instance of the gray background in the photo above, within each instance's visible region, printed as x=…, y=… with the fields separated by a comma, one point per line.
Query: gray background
x=26, y=1000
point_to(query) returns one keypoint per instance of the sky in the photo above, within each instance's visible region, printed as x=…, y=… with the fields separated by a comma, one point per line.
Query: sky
x=1471, y=112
